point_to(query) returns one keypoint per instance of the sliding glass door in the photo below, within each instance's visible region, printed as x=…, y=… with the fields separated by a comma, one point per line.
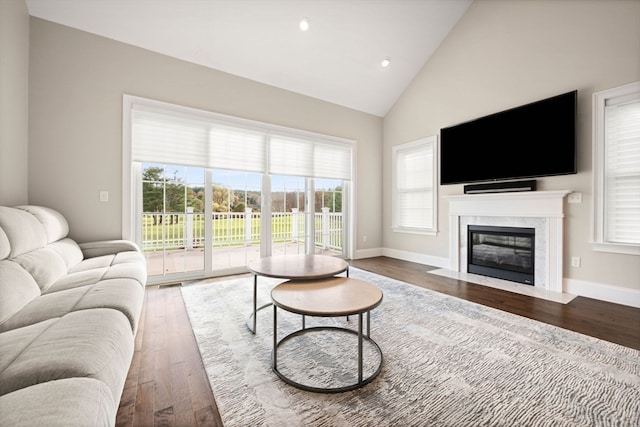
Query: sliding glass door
x=208, y=194
x=179, y=242
x=236, y=219
x=172, y=218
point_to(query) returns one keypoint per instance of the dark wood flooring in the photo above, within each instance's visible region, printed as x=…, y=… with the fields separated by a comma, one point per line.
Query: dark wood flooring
x=167, y=384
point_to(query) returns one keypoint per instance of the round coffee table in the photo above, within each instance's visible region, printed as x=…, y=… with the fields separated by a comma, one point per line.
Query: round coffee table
x=333, y=297
x=298, y=267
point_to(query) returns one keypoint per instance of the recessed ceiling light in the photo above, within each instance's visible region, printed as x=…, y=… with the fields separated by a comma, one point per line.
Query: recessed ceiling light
x=385, y=62
x=304, y=24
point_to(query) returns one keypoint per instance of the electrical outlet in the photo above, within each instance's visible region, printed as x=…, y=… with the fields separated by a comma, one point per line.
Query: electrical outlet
x=104, y=196
x=575, y=261
x=364, y=238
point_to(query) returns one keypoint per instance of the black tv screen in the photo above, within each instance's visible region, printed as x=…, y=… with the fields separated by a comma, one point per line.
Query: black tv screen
x=532, y=140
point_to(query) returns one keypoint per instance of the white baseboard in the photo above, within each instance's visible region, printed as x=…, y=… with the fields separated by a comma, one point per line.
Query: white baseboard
x=599, y=291
x=367, y=253
x=415, y=257
x=403, y=255
x=603, y=292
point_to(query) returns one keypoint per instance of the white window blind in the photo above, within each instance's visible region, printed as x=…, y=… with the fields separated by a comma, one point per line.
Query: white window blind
x=332, y=161
x=289, y=156
x=622, y=170
x=165, y=137
x=162, y=135
x=231, y=148
x=414, y=186
x=616, y=169
x=168, y=139
x=309, y=158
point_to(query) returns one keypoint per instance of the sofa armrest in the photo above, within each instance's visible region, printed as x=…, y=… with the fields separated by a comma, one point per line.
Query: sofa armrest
x=107, y=247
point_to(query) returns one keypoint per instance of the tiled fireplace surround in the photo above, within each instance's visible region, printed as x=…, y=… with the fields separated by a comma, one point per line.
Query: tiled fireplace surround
x=542, y=210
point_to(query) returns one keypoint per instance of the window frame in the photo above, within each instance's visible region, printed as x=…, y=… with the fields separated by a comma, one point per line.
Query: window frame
x=132, y=201
x=599, y=101
x=430, y=141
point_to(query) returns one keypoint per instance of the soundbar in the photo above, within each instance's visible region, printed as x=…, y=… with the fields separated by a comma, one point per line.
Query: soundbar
x=500, y=187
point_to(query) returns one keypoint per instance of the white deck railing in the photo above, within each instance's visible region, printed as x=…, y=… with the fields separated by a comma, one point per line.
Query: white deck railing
x=187, y=230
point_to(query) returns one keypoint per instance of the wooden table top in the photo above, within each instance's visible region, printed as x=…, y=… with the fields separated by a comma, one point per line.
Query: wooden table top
x=336, y=296
x=298, y=266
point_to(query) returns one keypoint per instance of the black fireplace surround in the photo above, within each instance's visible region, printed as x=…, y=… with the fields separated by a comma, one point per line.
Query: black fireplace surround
x=502, y=252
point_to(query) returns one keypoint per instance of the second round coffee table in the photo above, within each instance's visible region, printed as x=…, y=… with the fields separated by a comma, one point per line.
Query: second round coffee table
x=333, y=297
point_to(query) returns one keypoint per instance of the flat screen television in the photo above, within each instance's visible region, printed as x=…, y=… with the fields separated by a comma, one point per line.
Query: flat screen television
x=532, y=140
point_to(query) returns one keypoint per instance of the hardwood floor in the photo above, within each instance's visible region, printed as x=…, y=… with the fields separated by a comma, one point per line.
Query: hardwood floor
x=610, y=322
x=167, y=384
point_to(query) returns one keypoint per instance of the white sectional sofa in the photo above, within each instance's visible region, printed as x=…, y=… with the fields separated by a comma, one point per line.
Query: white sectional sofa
x=68, y=317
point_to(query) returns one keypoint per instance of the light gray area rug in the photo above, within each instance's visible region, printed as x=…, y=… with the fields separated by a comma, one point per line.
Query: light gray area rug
x=446, y=362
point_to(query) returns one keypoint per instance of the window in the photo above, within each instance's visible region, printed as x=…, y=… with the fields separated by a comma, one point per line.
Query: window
x=204, y=193
x=616, y=165
x=414, y=196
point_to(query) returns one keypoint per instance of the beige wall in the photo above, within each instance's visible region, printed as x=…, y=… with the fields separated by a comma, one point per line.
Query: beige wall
x=14, y=90
x=76, y=85
x=506, y=53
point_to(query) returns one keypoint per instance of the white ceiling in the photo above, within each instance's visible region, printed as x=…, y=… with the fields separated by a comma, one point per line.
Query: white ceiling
x=336, y=60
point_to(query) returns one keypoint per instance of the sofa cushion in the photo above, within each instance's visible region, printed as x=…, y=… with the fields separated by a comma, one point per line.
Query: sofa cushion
x=128, y=264
x=121, y=265
x=129, y=257
x=79, y=279
x=24, y=232
x=15, y=342
x=88, y=343
x=107, y=247
x=4, y=244
x=124, y=295
x=44, y=264
x=68, y=250
x=55, y=225
x=71, y=402
x=17, y=289
x=91, y=263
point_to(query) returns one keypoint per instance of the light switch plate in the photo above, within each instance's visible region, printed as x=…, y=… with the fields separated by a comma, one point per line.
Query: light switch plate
x=575, y=198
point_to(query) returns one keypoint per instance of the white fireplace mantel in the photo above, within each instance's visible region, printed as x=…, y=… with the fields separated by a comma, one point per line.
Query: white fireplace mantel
x=546, y=207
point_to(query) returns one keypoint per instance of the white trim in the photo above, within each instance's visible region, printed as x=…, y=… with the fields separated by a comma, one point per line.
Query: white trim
x=348, y=192
x=368, y=253
x=408, y=230
x=191, y=276
x=599, y=102
x=616, y=248
x=603, y=292
x=426, y=141
x=416, y=257
x=545, y=205
x=127, y=185
x=510, y=204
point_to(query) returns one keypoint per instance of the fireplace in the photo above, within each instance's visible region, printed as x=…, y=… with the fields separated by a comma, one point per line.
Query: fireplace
x=502, y=252
x=541, y=210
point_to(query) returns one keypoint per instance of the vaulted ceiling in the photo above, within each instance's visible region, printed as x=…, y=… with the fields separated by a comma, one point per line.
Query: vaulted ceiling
x=338, y=59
